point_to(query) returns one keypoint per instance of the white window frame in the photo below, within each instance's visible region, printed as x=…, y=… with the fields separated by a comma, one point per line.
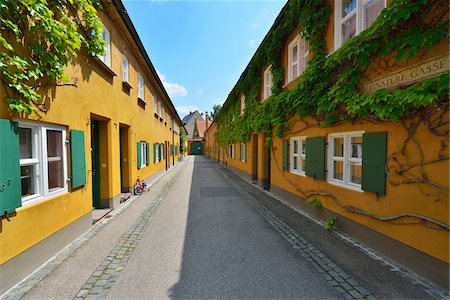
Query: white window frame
x=302, y=57
x=125, y=69
x=106, y=36
x=300, y=155
x=161, y=146
x=144, y=158
x=141, y=85
x=338, y=20
x=346, y=159
x=267, y=80
x=231, y=149
x=155, y=108
x=157, y=153
x=40, y=161
x=160, y=109
x=243, y=152
x=242, y=104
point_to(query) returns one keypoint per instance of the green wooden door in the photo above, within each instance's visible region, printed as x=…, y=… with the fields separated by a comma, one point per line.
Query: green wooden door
x=196, y=148
x=95, y=154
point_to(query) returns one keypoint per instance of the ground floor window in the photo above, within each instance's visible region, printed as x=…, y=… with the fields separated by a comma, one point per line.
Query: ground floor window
x=298, y=155
x=243, y=152
x=43, y=161
x=345, y=159
x=231, y=151
x=144, y=154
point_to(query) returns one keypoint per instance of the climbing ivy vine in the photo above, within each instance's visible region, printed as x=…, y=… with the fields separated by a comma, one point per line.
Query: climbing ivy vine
x=330, y=87
x=37, y=40
x=329, y=91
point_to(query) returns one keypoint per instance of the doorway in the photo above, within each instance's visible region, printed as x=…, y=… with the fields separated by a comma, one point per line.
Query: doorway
x=95, y=158
x=254, y=144
x=124, y=159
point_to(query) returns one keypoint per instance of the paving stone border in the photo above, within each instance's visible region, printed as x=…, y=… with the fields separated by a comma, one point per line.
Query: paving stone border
x=20, y=289
x=332, y=273
x=98, y=285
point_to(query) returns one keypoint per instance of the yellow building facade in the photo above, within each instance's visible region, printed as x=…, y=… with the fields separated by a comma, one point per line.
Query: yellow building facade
x=403, y=210
x=87, y=147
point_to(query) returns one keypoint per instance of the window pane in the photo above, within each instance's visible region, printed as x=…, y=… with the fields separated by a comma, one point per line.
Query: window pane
x=295, y=146
x=349, y=28
x=347, y=7
x=25, y=141
x=27, y=179
x=295, y=166
x=303, y=161
x=295, y=53
x=55, y=159
x=356, y=147
x=371, y=11
x=338, y=145
x=295, y=71
x=303, y=146
x=338, y=170
x=355, y=173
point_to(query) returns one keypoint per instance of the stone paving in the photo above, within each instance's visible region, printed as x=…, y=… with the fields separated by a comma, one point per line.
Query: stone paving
x=97, y=286
x=332, y=273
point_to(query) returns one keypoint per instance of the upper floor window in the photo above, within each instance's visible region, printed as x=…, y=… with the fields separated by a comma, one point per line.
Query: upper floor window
x=242, y=104
x=160, y=109
x=125, y=69
x=267, y=83
x=297, y=57
x=353, y=16
x=43, y=161
x=156, y=105
x=140, y=86
x=345, y=163
x=106, y=59
x=298, y=155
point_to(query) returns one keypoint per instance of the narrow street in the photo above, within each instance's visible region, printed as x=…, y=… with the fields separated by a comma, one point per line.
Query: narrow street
x=200, y=234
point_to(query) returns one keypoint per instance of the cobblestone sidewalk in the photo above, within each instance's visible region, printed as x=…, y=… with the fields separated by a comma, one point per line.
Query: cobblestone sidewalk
x=100, y=282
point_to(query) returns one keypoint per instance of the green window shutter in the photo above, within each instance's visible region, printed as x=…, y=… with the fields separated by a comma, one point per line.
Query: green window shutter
x=147, y=148
x=315, y=157
x=139, y=155
x=77, y=158
x=10, y=184
x=285, y=155
x=154, y=153
x=374, y=162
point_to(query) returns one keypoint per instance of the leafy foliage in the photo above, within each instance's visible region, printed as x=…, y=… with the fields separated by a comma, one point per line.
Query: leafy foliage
x=314, y=202
x=330, y=87
x=37, y=40
x=331, y=222
x=182, y=140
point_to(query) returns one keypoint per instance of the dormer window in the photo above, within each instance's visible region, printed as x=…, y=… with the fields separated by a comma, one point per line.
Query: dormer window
x=267, y=83
x=242, y=104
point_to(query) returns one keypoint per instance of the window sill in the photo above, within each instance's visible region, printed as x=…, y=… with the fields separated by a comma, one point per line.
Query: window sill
x=105, y=67
x=346, y=186
x=125, y=84
x=298, y=173
x=33, y=200
x=141, y=102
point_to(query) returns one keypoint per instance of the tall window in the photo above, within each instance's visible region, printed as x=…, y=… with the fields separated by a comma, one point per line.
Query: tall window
x=243, y=152
x=345, y=163
x=353, y=16
x=140, y=86
x=267, y=83
x=125, y=69
x=156, y=104
x=157, y=153
x=297, y=57
x=298, y=155
x=106, y=59
x=242, y=104
x=231, y=151
x=43, y=162
x=160, y=109
x=144, y=158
